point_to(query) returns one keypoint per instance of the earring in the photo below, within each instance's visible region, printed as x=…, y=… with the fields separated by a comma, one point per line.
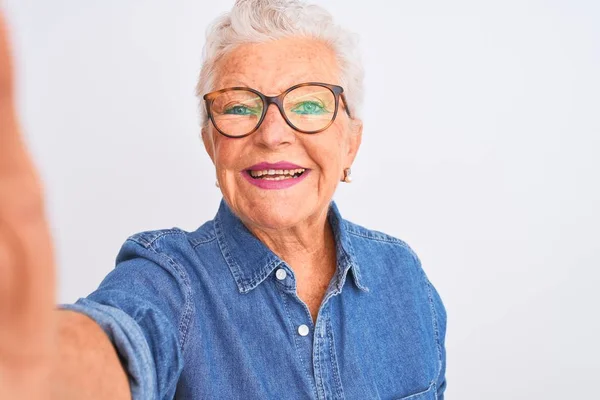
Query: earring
x=347, y=175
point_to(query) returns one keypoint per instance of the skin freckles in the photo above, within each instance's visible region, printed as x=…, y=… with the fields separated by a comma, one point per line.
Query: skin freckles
x=292, y=222
x=299, y=212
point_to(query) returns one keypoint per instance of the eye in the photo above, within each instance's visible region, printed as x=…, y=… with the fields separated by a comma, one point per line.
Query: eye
x=309, y=108
x=239, y=110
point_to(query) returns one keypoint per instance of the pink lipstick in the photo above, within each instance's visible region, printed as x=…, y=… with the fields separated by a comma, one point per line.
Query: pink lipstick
x=279, y=175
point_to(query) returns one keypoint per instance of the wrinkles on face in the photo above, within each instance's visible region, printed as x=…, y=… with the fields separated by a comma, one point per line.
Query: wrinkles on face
x=271, y=68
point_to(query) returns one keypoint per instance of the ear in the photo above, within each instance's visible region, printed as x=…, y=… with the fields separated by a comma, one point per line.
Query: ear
x=356, y=129
x=208, y=144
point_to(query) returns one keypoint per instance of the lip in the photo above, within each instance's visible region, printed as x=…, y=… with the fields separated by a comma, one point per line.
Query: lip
x=283, y=184
x=278, y=165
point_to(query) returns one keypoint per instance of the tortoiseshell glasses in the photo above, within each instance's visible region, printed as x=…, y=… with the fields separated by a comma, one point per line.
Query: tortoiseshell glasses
x=307, y=107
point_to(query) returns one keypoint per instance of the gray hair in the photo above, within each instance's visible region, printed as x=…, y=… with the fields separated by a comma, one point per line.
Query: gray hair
x=256, y=21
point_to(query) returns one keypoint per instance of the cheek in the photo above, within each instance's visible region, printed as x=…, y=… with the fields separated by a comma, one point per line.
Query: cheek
x=329, y=155
x=227, y=165
x=226, y=153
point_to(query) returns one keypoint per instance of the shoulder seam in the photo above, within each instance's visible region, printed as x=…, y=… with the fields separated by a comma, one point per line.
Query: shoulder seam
x=196, y=243
x=373, y=237
x=186, y=315
x=383, y=238
x=141, y=239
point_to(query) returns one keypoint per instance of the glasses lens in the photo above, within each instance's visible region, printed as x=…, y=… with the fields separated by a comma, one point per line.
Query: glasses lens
x=310, y=108
x=236, y=112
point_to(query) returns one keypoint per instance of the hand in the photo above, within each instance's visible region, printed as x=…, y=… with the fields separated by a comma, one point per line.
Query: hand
x=26, y=258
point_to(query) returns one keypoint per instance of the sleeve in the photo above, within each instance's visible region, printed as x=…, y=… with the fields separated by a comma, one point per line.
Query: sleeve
x=143, y=305
x=441, y=318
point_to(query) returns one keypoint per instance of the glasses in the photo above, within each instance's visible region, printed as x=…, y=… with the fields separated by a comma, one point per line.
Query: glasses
x=308, y=108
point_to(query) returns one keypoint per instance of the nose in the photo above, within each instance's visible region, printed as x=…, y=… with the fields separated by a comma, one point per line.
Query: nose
x=274, y=132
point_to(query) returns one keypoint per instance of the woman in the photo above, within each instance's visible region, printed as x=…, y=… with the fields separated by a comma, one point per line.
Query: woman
x=278, y=297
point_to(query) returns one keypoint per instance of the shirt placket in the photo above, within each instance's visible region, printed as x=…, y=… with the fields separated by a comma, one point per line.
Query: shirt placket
x=325, y=366
x=314, y=343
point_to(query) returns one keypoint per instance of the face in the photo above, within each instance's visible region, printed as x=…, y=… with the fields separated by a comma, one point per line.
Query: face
x=262, y=203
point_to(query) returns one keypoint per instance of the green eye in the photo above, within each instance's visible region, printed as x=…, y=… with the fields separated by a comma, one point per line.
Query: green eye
x=309, y=108
x=240, y=110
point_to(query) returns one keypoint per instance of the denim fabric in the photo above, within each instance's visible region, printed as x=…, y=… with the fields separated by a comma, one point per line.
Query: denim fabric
x=204, y=315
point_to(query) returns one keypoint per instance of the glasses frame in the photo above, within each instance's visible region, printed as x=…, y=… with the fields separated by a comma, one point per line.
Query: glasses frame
x=337, y=91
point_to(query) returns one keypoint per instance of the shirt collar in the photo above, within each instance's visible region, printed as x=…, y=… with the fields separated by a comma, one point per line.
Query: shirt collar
x=250, y=261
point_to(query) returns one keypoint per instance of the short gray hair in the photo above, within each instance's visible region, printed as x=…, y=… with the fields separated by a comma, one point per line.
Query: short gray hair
x=256, y=21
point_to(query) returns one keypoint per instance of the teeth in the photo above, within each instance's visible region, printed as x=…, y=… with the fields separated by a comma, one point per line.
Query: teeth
x=282, y=173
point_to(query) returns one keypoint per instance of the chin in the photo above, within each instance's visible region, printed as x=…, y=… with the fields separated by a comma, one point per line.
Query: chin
x=275, y=215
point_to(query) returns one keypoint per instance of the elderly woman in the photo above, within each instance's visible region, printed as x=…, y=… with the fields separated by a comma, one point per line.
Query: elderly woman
x=278, y=297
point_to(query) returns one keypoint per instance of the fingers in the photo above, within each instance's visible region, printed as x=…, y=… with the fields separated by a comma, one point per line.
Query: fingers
x=21, y=200
x=26, y=257
x=20, y=189
x=15, y=166
x=5, y=63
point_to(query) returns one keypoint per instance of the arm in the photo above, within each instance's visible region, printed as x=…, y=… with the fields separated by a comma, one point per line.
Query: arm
x=144, y=306
x=44, y=353
x=87, y=366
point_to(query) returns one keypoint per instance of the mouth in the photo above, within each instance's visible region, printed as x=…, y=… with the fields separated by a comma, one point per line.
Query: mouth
x=276, y=174
x=279, y=175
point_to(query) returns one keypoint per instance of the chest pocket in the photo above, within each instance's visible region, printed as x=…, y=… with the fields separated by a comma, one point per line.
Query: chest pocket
x=429, y=394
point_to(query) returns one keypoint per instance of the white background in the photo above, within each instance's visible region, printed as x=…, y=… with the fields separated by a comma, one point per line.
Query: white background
x=481, y=150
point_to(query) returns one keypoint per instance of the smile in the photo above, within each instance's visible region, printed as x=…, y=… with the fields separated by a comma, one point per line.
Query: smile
x=276, y=174
x=279, y=175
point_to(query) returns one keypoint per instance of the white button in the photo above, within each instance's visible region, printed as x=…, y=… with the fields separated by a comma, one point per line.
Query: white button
x=281, y=274
x=303, y=330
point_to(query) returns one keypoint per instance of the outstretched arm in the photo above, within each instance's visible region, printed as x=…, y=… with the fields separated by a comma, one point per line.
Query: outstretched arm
x=44, y=353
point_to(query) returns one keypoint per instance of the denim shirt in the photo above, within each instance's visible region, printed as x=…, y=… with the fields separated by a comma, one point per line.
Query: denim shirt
x=214, y=314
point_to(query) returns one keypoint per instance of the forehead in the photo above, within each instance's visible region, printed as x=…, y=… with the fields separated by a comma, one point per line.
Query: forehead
x=274, y=66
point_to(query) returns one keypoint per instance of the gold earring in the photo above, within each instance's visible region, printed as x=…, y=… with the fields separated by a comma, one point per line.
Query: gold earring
x=347, y=175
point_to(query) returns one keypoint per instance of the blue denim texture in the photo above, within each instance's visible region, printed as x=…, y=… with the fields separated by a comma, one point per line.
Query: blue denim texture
x=202, y=315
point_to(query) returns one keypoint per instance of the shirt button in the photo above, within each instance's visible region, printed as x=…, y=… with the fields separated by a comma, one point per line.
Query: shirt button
x=303, y=330
x=281, y=274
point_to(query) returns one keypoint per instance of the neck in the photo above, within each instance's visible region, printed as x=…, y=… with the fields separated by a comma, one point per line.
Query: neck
x=306, y=247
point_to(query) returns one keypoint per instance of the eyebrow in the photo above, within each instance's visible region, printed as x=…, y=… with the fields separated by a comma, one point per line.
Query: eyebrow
x=241, y=83
x=233, y=83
